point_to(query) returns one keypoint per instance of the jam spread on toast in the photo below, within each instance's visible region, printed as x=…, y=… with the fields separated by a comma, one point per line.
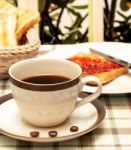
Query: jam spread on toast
x=94, y=65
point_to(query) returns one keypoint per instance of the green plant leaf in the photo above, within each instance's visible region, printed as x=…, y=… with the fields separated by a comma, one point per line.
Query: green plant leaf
x=123, y=5
x=51, y=18
x=71, y=37
x=74, y=12
x=14, y=2
x=60, y=3
x=71, y=1
x=54, y=16
x=81, y=7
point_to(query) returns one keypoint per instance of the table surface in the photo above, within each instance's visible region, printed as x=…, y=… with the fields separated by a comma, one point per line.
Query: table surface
x=114, y=133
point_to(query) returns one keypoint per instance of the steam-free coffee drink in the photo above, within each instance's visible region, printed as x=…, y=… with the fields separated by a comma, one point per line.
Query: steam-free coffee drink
x=46, y=79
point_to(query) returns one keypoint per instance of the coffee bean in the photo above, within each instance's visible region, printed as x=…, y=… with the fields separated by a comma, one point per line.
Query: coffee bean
x=34, y=133
x=74, y=129
x=52, y=133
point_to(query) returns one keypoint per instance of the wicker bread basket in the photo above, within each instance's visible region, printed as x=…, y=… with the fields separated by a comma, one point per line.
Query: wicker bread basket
x=12, y=54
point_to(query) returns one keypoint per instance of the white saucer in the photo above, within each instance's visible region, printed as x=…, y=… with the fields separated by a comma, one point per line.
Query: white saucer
x=86, y=118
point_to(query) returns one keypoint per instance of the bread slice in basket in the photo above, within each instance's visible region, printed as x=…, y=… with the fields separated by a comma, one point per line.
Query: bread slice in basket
x=8, y=23
x=25, y=19
x=23, y=40
x=98, y=66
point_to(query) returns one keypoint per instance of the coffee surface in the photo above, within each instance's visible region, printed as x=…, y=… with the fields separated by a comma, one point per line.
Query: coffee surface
x=46, y=79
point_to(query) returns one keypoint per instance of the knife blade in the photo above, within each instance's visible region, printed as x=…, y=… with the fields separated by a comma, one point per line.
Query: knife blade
x=111, y=58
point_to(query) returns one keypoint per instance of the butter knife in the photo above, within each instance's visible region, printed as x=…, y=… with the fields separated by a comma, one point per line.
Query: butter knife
x=111, y=58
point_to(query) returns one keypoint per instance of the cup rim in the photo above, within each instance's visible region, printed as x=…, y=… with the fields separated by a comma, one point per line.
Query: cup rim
x=43, y=87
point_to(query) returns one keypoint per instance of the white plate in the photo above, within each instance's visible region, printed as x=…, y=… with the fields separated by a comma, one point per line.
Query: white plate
x=118, y=86
x=86, y=118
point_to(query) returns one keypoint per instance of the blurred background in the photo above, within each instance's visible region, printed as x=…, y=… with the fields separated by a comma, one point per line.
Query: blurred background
x=77, y=21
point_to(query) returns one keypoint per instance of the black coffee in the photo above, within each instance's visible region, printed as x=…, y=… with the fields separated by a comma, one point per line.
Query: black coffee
x=46, y=79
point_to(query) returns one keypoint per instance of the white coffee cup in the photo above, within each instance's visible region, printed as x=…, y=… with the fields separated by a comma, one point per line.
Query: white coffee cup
x=47, y=105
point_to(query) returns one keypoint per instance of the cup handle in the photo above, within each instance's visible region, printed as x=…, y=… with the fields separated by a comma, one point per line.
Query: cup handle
x=93, y=96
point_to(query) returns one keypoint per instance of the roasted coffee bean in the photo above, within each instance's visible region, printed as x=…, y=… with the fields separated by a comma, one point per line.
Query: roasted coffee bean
x=74, y=129
x=34, y=133
x=52, y=133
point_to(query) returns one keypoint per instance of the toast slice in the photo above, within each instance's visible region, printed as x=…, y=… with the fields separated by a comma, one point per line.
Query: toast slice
x=6, y=6
x=98, y=66
x=26, y=18
x=109, y=76
x=8, y=22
